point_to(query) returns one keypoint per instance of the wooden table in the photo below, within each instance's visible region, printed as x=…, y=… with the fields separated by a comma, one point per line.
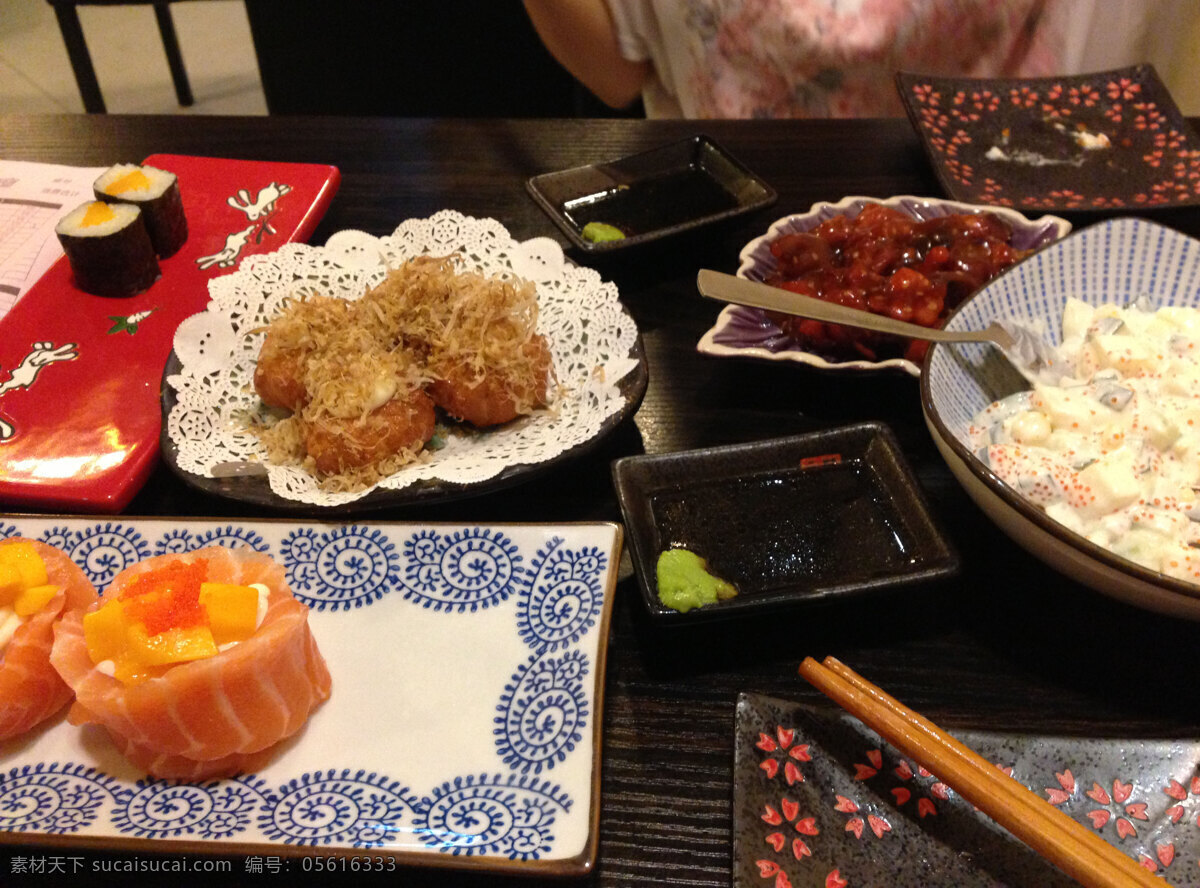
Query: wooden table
x=1008, y=645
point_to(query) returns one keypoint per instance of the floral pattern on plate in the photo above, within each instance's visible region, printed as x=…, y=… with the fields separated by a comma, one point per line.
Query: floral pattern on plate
x=471, y=658
x=820, y=801
x=1111, y=141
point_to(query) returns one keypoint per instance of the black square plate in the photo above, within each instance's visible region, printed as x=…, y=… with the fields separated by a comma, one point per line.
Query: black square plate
x=1110, y=141
x=799, y=520
x=652, y=194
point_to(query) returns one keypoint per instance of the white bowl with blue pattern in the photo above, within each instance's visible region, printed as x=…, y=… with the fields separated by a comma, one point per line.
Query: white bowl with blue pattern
x=1115, y=261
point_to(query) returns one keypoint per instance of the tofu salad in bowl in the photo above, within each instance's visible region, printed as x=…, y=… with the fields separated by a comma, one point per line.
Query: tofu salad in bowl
x=1094, y=468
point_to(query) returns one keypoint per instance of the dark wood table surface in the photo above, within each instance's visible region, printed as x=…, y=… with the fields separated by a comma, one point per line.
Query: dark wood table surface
x=1008, y=645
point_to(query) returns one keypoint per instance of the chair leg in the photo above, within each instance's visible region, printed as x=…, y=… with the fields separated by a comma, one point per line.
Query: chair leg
x=166, y=27
x=81, y=61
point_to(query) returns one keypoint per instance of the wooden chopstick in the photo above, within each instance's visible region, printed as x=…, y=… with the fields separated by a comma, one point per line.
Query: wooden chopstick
x=1068, y=844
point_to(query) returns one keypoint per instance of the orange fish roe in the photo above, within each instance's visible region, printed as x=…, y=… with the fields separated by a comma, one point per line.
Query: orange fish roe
x=166, y=598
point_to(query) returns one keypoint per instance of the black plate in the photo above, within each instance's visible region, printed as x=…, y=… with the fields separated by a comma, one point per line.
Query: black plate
x=1020, y=143
x=256, y=490
x=799, y=520
x=652, y=194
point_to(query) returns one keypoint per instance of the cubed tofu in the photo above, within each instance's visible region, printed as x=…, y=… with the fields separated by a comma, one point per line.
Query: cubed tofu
x=1077, y=316
x=1182, y=379
x=1157, y=427
x=1110, y=482
x=1130, y=355
x=1186, y=320
x=1071, y=409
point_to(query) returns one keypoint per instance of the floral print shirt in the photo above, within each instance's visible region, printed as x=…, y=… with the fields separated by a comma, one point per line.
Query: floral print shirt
x=827, y=58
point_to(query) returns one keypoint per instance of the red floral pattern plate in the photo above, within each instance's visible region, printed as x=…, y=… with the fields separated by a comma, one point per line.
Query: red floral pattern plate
x=1108, y=141
x=79, y=374
x=820, y=801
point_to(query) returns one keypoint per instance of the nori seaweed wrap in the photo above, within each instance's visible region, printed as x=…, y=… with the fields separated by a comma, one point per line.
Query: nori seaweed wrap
x=156, y=192
x=109, y=249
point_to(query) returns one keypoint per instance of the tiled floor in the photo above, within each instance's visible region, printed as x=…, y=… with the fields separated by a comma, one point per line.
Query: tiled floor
x=126, y=50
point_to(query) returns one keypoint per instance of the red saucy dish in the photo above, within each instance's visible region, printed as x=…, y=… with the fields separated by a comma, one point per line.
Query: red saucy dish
x=744, y=332
x=887, y=262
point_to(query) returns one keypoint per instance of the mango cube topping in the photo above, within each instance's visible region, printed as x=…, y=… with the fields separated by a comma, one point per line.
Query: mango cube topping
x=24, y=584
x=32, y=599
x=176, y=645
x=232, y=610
x=22, y=557
x=10, y=581
x=97, y=213
x=134, y=180
x=168, y=616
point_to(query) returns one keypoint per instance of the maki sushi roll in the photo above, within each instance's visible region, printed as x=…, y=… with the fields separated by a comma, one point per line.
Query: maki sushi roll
x=156, y=193
x=197, y=664
x=38, y=585
x=108, y=248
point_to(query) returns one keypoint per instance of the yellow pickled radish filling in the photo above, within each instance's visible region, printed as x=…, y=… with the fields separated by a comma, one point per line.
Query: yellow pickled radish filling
x=167, y=618
x=25, y=587
x=134, y=180
x=97, y=213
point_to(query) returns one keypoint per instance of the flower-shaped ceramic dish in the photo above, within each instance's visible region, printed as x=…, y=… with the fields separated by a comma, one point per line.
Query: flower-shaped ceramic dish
x=791, y=521
x=1116, y=261
x=820, y=800
x=463, y=729
x=746, y=332
x=1107, y=141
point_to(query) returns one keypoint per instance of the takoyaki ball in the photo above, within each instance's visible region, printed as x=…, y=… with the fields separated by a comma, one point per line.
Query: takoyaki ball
x=279, y=374
x=401, y=426
x=495, y=395
x=291, y=338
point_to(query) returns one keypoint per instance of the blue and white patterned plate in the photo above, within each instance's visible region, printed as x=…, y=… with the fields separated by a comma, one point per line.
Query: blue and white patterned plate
x=464, y=721
x=1116, y=261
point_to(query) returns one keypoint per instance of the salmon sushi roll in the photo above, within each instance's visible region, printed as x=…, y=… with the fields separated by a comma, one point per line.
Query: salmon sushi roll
x=156, y=193
x=38, y=585
x=108, y=248
x=195, y=664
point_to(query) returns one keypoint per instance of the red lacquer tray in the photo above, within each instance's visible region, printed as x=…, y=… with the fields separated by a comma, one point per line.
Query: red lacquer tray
x=80, y=374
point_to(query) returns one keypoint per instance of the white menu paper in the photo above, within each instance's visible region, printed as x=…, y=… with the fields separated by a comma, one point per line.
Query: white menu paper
x=33, y=197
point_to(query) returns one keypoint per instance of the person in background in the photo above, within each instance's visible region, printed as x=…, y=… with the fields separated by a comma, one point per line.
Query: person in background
x=838, y=58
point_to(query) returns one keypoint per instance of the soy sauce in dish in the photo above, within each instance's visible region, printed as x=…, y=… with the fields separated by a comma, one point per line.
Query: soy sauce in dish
x=653, y=203
x=822, y=525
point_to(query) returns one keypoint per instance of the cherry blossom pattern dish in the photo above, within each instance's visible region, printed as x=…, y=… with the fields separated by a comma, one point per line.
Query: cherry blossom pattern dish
x=821, y=802
x=1107, y=141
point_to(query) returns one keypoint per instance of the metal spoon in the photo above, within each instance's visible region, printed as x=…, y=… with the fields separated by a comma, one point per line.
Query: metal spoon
x=1025, y=348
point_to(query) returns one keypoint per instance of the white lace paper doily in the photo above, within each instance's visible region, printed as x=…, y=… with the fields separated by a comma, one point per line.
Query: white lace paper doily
x=590, y=335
